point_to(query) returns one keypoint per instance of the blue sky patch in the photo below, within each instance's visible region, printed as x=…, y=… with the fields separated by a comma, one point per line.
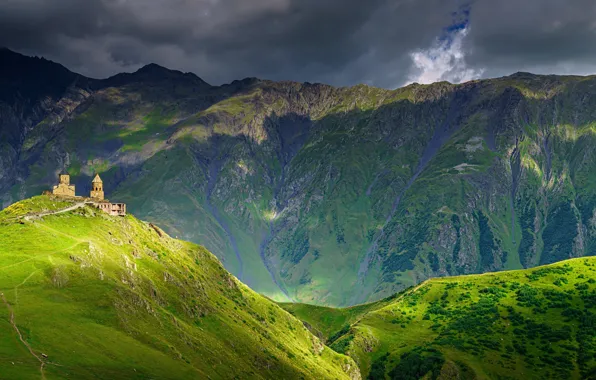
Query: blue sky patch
x=460, y=21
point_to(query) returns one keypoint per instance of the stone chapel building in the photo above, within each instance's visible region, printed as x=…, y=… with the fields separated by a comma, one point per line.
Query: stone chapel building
x=64, y=188
x=96, y=196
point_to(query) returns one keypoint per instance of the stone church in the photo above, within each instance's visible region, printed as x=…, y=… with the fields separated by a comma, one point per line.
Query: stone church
x=64, y=188
x=96, y=197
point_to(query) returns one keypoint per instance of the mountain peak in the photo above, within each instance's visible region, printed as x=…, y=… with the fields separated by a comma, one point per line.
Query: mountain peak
x=154, y=68
x=155, y=73
x=32, y=78
x=523, y=75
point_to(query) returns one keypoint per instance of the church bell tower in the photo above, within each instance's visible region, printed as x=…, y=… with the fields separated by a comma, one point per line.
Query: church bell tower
x=97, y=188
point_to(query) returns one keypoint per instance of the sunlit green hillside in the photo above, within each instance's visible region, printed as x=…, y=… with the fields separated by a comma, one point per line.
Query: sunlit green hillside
x=528, y=324
x=86, y=295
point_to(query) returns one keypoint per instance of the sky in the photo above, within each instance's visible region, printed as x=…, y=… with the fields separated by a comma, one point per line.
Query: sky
x=384, y=43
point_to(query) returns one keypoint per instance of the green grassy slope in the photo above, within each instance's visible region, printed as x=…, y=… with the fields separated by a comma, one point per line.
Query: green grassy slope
x=328, y=322
x=95, y=296
x=527, y=324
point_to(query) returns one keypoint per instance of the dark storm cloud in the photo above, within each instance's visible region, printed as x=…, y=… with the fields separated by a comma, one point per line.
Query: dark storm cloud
x=550, y=36
x=343, y=42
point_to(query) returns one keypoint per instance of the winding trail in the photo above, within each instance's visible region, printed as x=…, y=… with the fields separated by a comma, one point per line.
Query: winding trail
x=16, y=288
x=42, y=214
x=27, y=217
x=14, y=326
x=65, y=235
x=35, y=257
x=16, y=294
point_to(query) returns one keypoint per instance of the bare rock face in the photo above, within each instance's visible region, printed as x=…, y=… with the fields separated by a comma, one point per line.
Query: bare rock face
x=352, y=370
x=59, y=277
x=318, y=194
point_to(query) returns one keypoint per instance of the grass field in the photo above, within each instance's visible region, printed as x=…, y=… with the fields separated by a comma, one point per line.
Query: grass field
x=86, y=295
x=527, y=324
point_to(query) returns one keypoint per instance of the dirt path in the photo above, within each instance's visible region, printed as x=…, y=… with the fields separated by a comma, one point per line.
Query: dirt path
x=16, y=288
x=42, y=214
x=63, y=234
x=14, y=326
x=35, y=257
x=39, y=357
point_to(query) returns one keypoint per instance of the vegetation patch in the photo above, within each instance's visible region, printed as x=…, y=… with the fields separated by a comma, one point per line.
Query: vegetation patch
x=486, y=243
x=419, y=363
x=501, y=325
x=559, y=234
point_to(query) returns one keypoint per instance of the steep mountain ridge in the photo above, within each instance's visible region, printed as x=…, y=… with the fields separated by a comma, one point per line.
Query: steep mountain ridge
x=87, y=295
x=336, y=196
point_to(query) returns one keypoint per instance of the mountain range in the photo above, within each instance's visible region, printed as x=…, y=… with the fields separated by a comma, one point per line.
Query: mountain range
x=317, y=194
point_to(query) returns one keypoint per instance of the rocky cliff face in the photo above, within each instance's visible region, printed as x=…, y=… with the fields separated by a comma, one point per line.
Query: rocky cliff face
x=330, y=195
